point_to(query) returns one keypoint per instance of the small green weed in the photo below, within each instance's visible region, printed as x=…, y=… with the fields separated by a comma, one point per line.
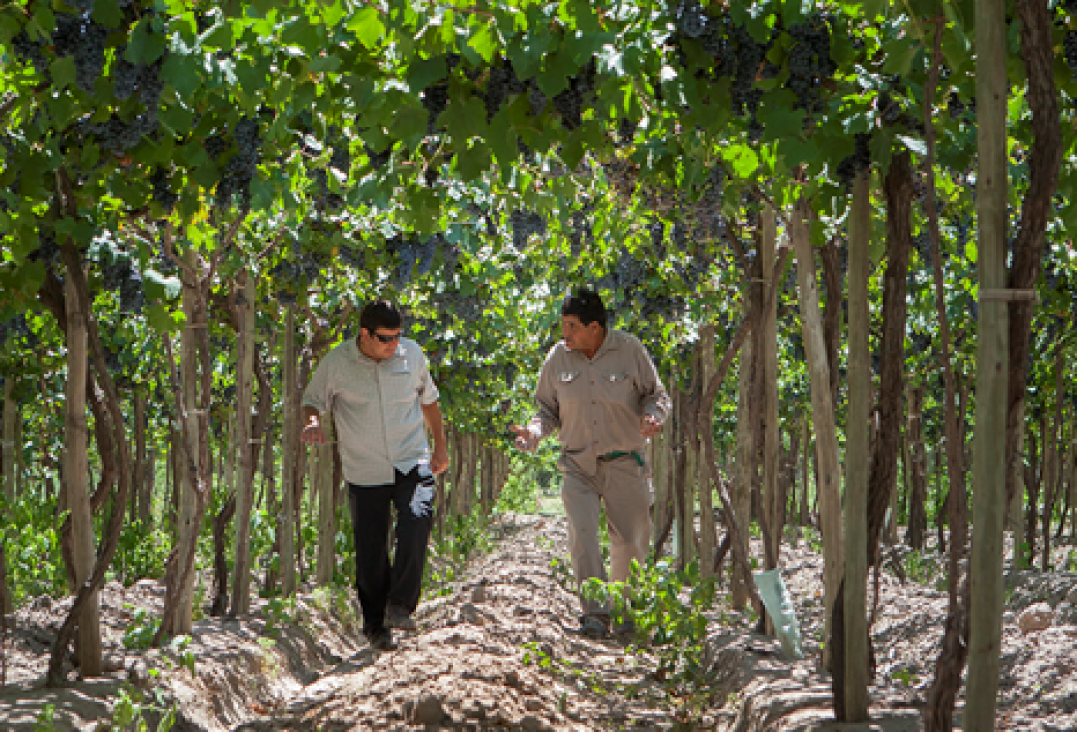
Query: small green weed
x=132, y=711
x=561, y=570
x=279, y=611
x=140, y=631
x=906, y=677
x=184, y=656
x=45, y=719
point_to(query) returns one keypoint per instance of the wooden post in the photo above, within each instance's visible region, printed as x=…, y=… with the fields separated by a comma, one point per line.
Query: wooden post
x=826, y=435
x=289, y=440
x=327, y=518
x=76, y=476
x=771, y=437
x=187, y=527
x=805, y=474
x=706, y=490
x=138, y=484
x=857, y=459
x=241, y=569
x=745, y=451
x=11, y=410
x=992, y=368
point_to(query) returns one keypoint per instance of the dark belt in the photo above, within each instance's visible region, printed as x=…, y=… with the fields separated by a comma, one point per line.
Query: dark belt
x=620, y=454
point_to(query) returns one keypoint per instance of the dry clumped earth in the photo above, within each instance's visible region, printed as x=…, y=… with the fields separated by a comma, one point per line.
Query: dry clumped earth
x=500, y=651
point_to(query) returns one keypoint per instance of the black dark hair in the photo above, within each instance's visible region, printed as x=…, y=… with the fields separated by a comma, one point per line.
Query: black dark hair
x=586, y=305
x=380, y=314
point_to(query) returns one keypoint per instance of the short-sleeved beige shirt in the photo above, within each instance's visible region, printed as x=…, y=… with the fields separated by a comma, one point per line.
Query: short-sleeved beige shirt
x=377, y=409
x=596, y=405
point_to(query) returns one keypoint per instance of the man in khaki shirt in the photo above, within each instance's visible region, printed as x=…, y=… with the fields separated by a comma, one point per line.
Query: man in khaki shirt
x=600, y=391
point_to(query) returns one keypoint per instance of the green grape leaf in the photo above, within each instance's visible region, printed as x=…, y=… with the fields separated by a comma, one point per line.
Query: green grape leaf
x=423, y=73
x=367, y=26
x=181, y=72
x=164, y=321
x=484, y=43
x=63, y=72
x=144, y=46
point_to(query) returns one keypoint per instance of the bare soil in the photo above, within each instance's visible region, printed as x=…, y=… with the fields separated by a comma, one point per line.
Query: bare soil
x=500, y=650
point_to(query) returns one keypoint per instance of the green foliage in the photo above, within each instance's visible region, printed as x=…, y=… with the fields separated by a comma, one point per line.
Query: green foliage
x=561, y=570
x=920, y=568
x=133, y=711
x=667, y=607
x=279, y=611
x=140, y=629
x=141, y=553
x=35, y=564
x=179, y=646
x=45, y=718
x=465, y=536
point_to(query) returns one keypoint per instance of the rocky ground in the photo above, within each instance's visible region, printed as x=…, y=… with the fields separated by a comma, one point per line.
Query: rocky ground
x=499, y=649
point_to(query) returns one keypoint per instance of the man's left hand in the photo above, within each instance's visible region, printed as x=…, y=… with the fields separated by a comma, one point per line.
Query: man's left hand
x=439, y=461
x=650, y=426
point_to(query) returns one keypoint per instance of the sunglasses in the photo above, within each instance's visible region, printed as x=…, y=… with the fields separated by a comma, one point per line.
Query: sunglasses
x=387, y=338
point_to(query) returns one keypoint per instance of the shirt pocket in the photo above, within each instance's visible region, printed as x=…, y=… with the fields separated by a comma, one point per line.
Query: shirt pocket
x=619, y=387
x=401, y=383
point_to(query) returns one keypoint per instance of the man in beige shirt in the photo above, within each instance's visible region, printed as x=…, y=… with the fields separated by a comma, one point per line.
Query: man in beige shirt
x=600, y=391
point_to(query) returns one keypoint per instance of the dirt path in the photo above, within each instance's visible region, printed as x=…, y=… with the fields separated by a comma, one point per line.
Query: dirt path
x=499, y=650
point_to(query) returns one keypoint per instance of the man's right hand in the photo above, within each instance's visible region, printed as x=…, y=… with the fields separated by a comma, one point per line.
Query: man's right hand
x=312, y=434
x=526, y=440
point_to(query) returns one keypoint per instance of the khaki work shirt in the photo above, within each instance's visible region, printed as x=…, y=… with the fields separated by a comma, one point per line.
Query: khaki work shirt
x=377, y=409
x=597, y=404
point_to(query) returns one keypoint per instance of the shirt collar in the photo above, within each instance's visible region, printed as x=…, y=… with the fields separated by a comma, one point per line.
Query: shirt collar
x=609, y=343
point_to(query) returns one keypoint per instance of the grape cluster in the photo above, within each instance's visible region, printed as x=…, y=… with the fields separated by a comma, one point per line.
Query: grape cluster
x=747, y=54
x=240, y=169
x=691, y=20
x=164, y=264
x=48, y=251
x=711, y=199
x=435, y=98
x=162, y=189
x=630, y=272
x=626, y=130
x=536, y=99
x=413, y=256
x=524, y=223
x=579, y=232
x=1069, y=50
x=856, y=163
x=657, y=230
x=469, y=308
x=378, y=160
x=351, y=258
x=921, y=342
x=14, y=328
x=119, y=275
x=83, y=38
x=889, y=108
x=500, y=85
x=1052, y=278
x=664, y=307
x=955, y=106
x=922, y=243
x=30, y=51
x=962, y=226
x=809, y=62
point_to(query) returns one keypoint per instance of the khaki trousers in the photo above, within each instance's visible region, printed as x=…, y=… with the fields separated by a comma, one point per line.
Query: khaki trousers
x=625, y=488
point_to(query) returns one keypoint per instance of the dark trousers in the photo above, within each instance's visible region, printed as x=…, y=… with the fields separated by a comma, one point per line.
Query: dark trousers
x=377, y=582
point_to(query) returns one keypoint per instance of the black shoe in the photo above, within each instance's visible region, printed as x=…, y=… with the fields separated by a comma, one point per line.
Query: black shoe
x=593, y=626
x=399, y=618
x=381, y=639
